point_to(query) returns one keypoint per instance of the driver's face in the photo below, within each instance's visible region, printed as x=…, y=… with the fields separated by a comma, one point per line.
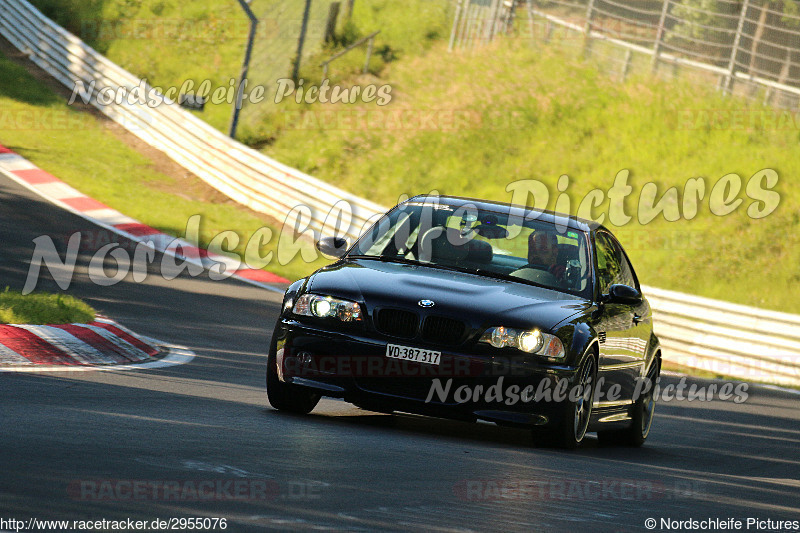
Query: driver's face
x=543, y=248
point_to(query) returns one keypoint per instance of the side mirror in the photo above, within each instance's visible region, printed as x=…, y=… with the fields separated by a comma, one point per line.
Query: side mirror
x=332, y=246
x=623, y=294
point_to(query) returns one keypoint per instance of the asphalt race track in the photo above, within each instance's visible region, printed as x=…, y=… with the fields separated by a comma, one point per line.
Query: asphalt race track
x=72, y=446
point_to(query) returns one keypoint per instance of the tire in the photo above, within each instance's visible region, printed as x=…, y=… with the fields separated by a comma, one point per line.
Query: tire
x=570, y=431
x=642, y=415
x=287, y=397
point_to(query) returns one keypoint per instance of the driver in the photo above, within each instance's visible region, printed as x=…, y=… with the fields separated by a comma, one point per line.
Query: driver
x=543, y=251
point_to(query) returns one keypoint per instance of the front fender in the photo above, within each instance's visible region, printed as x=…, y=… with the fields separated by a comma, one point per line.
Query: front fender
x=578, y=338
x=291, y=293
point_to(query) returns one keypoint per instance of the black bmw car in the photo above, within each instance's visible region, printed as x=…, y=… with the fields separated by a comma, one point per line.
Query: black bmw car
x=474, y=310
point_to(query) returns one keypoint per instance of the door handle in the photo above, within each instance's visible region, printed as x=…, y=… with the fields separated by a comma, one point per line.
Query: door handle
x=637, y=318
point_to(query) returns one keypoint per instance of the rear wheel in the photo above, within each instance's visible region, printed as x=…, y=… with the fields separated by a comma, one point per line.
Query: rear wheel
x=285, y=396
x=570, y=431
x=642, y=415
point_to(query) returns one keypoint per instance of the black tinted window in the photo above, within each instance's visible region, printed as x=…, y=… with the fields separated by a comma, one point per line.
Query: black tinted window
x=612, y=265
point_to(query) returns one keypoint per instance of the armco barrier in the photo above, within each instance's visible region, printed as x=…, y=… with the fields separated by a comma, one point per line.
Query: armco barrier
x=728, y=339
x=700, y=333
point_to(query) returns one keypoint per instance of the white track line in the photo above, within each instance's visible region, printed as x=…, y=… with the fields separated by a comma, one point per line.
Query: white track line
x=178, y=355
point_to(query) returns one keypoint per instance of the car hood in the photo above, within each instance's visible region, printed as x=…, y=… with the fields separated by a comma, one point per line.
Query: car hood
x=483, y=301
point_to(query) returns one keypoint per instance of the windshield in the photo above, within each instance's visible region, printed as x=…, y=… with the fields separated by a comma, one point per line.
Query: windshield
x=484, y=242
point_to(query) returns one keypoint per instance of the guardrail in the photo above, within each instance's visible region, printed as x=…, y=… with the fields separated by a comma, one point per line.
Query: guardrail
x=700, y=333
x=727, y=339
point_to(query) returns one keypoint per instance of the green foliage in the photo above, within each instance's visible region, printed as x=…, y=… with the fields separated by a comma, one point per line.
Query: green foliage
x=73, y=15
x=410, y=27
x=42, y=309
x=347, y=35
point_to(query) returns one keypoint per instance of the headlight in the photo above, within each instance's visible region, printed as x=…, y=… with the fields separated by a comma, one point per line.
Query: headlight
x=325, y=307
x=529, y=341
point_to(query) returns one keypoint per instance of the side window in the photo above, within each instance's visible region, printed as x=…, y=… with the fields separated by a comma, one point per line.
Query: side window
x=626, y=272
x=609, y=268
x=612, y=265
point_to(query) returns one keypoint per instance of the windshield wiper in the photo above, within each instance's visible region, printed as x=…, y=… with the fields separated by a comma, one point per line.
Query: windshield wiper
x=387, y=259
x=507, y=277
x=403, y=260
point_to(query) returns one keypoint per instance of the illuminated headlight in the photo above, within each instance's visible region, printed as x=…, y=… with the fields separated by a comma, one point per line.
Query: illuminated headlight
x=529, y=341
x=325, y=307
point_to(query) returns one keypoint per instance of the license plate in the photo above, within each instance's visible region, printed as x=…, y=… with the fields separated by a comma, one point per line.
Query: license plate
x=409, y=353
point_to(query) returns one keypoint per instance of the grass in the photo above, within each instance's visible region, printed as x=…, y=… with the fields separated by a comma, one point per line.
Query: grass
x=41, y=308
x=79, y=149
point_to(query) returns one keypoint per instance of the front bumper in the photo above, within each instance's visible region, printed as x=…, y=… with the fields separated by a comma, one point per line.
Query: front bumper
x=467, y=384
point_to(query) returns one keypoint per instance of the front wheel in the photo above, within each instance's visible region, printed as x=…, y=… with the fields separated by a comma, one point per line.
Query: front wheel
x=571, y=429
x=285, y=396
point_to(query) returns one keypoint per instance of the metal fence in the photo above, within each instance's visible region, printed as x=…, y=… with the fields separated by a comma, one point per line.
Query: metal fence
x=747, y=47
x=479, y=21
x=276, y=45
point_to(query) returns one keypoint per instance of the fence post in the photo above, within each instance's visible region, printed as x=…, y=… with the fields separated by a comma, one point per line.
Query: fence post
x=350, y=6
x=787, y=64
x=511, y=16
x=330, y=26
x=369, y=54
x=659, y=36
x=237, y=106
x=456, y=20
x=493, y=11
x=301, y=40
x=531, y=26
x=465, y=26
x=728, y=86
x=462, y=25
x=587, y=30
x=473, y=27
x=626, y=67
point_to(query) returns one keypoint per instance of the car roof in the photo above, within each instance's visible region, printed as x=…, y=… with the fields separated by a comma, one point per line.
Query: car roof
x=520, y=211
